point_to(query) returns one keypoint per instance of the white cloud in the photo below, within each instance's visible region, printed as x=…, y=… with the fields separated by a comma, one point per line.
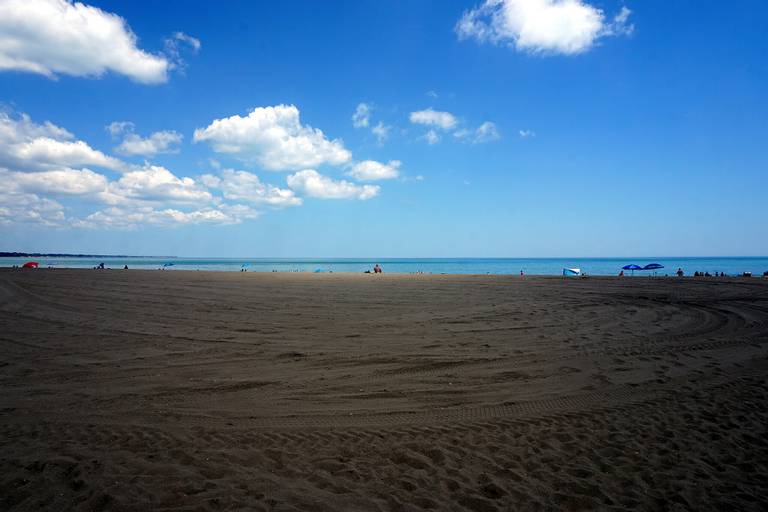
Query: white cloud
x=541, y=26
x=181, y=37
x=22, y=208
x=158, y=142
x=313, y=184
x=245, y=186
x=274, y=138
x=526, y=134
x=132, y=218
x=58, y=182
x=429, y=117
x=51, y=37
x=116, y=128
x=486, y=132
x=25, y=145
x=173, y=47
x=431, y=137
x=432, y=94
x=132, y=145
x=461, y=134
x=362, y=115
x=154, y=184
x=35, y=164
x=381, y=131
x=371, y=170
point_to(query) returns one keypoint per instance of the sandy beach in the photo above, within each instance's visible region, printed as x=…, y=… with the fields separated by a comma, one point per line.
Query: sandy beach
x=151, y=390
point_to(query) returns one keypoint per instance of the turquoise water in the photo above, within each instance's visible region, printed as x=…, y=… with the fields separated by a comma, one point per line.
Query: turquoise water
x=533, y=266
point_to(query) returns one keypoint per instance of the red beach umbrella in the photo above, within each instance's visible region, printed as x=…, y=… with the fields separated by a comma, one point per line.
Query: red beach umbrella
x=30, y=264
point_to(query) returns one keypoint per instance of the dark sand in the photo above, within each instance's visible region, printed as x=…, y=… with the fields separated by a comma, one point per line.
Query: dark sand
x=148, y=390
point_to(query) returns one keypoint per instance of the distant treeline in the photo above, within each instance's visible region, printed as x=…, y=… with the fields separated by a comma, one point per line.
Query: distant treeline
x=57, y=255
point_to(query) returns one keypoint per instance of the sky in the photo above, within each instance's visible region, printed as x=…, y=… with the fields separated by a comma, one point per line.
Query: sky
x=504, y=128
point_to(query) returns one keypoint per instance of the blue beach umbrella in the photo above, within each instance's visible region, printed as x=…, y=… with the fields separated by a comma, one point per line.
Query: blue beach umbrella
x=653, y=266
x=168, y=264
x=632, y=267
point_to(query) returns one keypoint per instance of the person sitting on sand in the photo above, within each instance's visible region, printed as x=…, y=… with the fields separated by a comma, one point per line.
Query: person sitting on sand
x=125, y=267
x=680, y=272
x=377, y=269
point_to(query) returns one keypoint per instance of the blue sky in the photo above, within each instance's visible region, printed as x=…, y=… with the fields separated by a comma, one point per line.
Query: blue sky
x=517, y=128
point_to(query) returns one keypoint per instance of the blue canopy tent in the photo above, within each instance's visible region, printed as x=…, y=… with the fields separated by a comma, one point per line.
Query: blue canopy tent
x=632, y=268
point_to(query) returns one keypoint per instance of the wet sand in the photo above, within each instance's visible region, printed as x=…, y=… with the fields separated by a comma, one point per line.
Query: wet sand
x=150, y=390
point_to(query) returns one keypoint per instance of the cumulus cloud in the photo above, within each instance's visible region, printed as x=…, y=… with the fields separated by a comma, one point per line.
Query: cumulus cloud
x=23, y=208
x=434, y=118
x=58, y=182
x=25, y=145
x=246, y=186
x=526, y=134
x=362, y=115
x=155, y=184
x=158, y=142
x=116, y=128
x=52, y=37
x=486, y=132
x=371, y=170
x=132, y=218
x=165, y=141
x=141, y=195
x=313, y=184
x=274, y=138
x=541, y=26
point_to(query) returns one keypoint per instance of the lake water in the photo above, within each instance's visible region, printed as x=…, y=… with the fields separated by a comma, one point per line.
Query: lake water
x=533, y=266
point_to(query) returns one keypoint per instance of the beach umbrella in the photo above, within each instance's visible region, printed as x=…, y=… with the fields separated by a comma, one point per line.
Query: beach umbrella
x=653, y=266
x=571, y=271
x=170, y=264
x=30, y=264
x=632, y=267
